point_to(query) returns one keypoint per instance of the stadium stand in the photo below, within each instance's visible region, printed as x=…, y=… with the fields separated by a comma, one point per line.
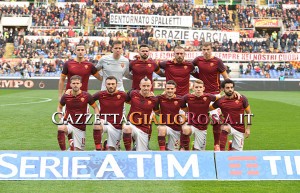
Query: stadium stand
x=41, y=48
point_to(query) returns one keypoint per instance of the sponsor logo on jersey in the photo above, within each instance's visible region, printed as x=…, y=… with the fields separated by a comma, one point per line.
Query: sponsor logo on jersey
x=149, y=65
x=149, y=102
x=118, y=96
x=185, y=67
x=82, y=99
x=237, y=101
x=204, y=98
x=212, y=64
x=175, y=102
x=86, y=66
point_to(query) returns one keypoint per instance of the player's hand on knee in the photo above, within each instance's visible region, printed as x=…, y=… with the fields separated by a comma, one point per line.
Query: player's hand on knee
x=247, y=133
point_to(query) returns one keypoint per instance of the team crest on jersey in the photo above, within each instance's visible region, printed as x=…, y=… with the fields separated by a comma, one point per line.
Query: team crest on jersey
x=237, y=101
x=122, y=65
x=118, y=96
x=175, y=102
x=86, y=66
x=204, y=98
x=149, y=65
x=149, y=102
x=212, y=64
x=82, y=99
x=185, y=67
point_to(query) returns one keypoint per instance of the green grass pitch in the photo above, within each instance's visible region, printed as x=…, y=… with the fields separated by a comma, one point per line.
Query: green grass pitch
x=26, y=125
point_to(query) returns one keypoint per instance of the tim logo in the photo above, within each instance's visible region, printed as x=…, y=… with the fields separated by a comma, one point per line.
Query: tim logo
x=237, y=165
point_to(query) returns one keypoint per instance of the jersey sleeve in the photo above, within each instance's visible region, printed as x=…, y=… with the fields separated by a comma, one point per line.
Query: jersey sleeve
x=99, y=66
x=96, y=96
x=221, y=66
x=90, y=99
x=93, y=70
x=216, y=104
x=128, y=96
x=130, y=65
x=65, y=68
x=163, y=64
x=63, y=100
x=195, y=62
x=156, y=106
x=212, y=97
x=184, y=101
x=156, y=67
x=245, y=101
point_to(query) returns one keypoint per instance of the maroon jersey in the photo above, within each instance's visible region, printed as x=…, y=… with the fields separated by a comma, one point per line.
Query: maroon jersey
x=232, y=109
x=111, y=104
x=140, y=69
x=180, y=73
x=198, y=108
x=169, y=107
x=83, y=69
x=76, y=107
x=142, y=108
x=209, y=73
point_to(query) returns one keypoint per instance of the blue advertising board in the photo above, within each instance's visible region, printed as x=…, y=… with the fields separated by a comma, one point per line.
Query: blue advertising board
x=94, y=165
x=258, y=165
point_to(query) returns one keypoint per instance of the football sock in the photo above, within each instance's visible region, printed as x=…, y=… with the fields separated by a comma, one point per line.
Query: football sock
x=162, y=143
x=61, y=138
x=127, y=141
x=216, y=131
x=223, y=140
x=97, y=139
x=185, y=141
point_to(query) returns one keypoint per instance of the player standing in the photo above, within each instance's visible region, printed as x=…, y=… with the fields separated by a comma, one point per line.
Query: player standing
x=168, y=106
x=111, y=110
x=115, y=65
x=142, y=103
x=179, y=71
x=233, y=109
x=210, y=68
x=76, y=111
x=142, y=67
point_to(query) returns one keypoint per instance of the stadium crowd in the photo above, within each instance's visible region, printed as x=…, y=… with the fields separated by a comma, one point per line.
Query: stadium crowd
x=63, y=23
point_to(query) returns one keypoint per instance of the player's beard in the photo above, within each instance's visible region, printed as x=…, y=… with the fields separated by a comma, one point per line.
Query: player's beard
x=170, y=95
x=179, y=60
x=144, y=57
x=229, y=93
x=111, y=90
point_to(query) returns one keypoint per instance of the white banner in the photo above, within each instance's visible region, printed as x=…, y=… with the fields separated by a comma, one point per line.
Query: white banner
x=14, y=4
x=153, y=20
x=207, y=35
x=229, y=56
x=63, y=4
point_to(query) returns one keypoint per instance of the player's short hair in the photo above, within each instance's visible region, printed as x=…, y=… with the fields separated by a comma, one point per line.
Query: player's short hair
x=75, y=77
x=198, y=81
x=227, y=81
x=116, y=42
x=144, y=46
x=171, y=82
x=178, y=48
x=145, y=79
x=111, y=78
x=207, y=44
x=80, y=44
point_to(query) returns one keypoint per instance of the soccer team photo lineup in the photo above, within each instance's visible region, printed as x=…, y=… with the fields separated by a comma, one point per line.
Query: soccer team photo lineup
x=149, y=95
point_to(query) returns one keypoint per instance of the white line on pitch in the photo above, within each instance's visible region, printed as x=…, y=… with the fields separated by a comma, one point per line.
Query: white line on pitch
x=44, y=100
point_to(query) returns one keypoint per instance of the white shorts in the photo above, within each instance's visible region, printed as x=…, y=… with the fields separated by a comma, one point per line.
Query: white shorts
x=237, y=138
x=216, y=112
x=173, y=139
x=200, y=138
x=140, y=137
x=78, y=136
x=113, y=135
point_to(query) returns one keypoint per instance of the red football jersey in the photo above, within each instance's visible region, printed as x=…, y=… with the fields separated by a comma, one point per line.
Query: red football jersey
x=142, y=108
x=169, y=107
x=83, y=69
x=76, y=106
x=111, y=104
x=209, y=73
x=198, y=108
x=140, y=69
x=180, y=73
x=232, y=110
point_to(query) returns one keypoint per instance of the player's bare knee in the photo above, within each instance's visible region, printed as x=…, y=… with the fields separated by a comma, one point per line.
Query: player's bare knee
x=186, y=130
x=162, y=130
x=126, y=129
x=225, y=128
x=62, y=128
